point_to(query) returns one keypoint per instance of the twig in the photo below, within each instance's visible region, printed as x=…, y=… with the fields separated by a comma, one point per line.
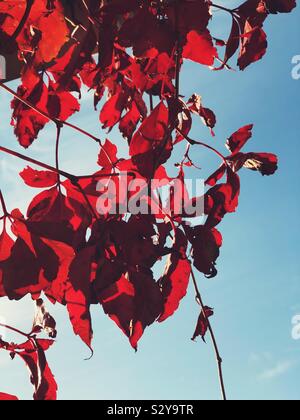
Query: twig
x=178, y=52
x=151, y=102
x=47, y=116
x=15, y=330
x=73, y=178
x=38, y=163
x=225, y=9
x=21, y=25
x=213, y=338
x=58, y=132
x=200, y=143
x=2, y=201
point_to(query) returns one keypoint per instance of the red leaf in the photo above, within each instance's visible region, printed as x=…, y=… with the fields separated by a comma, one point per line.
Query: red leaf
x=129, y=122
x=112, y=110
x=39, y=179
x=108, y=155
x=207, y=115
x=78, y=295
x=200, y=48
x=175, y=281
x=206, y=243
x=203, y=323
x=254, y=45
x=216, y=176
x=27, y=122
x=233, y=42
x=133, y=303
x=42, y=378
x=151, y=146
x=6, y=244
x=265, y=163
x=189, y=15
x=7, y=397
x=238, y=140
x=225, y=198
x=280, y=6
x=61, y=105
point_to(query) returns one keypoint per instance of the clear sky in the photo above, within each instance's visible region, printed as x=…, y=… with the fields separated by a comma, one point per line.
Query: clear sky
x=257, y=291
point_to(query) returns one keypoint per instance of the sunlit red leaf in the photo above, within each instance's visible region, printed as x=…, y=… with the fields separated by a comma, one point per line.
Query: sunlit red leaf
x=39, y=179
x=238, y=140
x=200, y=48
x=108, y=155
x=7, y=397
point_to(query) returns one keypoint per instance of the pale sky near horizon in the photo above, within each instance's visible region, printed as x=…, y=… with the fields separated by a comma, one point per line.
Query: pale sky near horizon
x=257, y=291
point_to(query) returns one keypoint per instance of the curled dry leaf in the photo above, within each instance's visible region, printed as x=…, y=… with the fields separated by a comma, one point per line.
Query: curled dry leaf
x=43, y=321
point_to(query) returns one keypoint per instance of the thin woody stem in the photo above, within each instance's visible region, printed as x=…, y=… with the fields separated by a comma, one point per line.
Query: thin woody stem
x=58, y=132
x=2, y=201
x=213, y=338
x=200, y=143
x=15, y=330
x=225, y=9
x=74, y=179
x=151, y=102
x=178, y=52
x=38, y=163
x=47, y=116
x=23, y=21
x=71, y=177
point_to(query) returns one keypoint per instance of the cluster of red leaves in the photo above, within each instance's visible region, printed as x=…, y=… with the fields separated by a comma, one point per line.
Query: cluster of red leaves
x=62, y=247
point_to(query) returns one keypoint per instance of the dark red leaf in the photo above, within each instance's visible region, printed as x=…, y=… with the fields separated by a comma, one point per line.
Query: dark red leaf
x=280, y=6
x=206, y=243
x=175, y=281
x=151, y=146
x=265, y=163
x=254, y=45
x=203, y=323
x=133, y=303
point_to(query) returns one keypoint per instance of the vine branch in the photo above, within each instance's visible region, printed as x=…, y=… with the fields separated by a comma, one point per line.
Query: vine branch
x=47, y=116
x=21, y=25
x=58, y=132
x=15, y=330
x=213, y=338
x=200, y=143
x=2, y=201
x=225, y=9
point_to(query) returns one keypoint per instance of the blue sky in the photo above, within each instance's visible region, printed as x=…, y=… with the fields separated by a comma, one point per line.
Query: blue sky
x=257, y=291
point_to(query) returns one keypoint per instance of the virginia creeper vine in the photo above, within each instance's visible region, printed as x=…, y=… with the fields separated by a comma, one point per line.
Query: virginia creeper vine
x=73, y=247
